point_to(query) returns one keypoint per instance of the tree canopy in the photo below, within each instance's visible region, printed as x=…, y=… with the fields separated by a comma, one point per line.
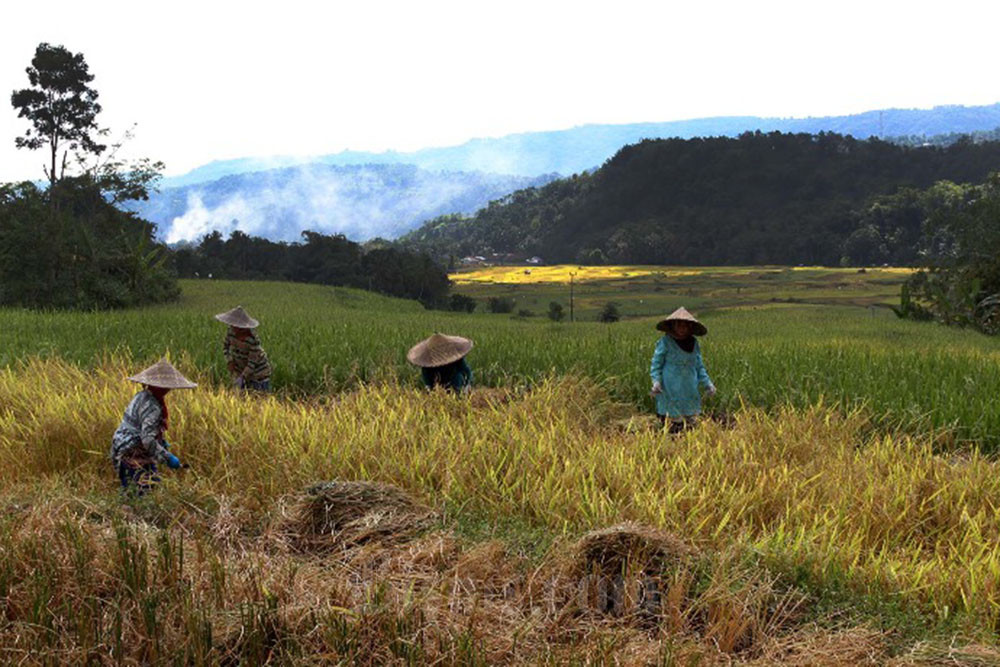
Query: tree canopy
x=61, y=106
x=318, y=258
x=67, y=247
x=959, y=249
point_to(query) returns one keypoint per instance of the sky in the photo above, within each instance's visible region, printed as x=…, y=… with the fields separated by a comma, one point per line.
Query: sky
x=217, y=80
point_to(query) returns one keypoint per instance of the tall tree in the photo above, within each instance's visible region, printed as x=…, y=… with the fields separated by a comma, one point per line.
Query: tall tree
x=70, y=246
x=61, y=107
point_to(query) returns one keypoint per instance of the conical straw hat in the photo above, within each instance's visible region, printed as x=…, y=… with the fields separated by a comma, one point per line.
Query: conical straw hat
x=682, y=314
x=163, y=374
x=438, y=350
x=237, y=317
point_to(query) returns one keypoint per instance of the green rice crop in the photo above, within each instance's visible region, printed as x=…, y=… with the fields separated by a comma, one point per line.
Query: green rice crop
x=320, y=339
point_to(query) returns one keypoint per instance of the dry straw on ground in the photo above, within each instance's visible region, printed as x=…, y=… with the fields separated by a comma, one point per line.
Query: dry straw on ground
x=338, y=515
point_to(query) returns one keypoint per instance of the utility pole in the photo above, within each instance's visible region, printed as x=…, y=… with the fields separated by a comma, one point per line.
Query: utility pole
x=571, y=317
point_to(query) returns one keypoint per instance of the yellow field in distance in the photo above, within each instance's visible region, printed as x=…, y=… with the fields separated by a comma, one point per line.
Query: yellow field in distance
x=560, y=273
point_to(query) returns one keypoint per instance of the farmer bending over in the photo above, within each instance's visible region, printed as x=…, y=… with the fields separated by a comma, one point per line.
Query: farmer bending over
x=442, y=362
x=245, y=358
x=138, y=443
x=677, y=370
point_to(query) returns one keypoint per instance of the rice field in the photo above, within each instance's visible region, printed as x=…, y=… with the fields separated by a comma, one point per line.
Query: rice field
x=916, y=376
x=562, y=273
x=839, y=506
x=647, y=291
x=771, y=524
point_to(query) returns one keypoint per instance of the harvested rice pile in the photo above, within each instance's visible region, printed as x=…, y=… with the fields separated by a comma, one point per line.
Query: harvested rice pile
x=332, y=516
x=628, y=549
x=622, y=573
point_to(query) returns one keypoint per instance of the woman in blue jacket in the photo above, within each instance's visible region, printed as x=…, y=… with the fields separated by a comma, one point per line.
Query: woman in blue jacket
x=678, y=372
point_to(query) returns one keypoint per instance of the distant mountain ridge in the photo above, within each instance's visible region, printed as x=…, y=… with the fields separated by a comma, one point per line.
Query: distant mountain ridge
x=359, y=201
x=588, y=146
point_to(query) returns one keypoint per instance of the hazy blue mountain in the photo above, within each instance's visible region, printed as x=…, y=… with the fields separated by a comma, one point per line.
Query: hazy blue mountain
x=588, y=146
x=359, y=201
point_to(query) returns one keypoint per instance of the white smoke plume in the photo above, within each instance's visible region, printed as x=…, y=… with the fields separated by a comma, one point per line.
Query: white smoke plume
x=360, y=202
x=198, y=220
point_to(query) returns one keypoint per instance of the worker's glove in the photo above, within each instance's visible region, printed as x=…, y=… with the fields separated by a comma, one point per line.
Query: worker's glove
x=657, y=388
x=710, y=391
x=239, y=382
x=173, y=461
x=166, y=445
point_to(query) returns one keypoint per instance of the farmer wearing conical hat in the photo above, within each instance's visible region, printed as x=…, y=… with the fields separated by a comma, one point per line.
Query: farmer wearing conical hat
x=678, y=371
x=247, y=362
x=139, y=442
x=442, y=362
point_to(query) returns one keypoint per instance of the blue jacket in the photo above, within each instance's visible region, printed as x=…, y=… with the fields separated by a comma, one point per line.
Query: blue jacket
x=680, y=374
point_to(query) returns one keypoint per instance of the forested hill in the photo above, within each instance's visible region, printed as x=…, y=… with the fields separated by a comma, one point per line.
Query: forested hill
x=756, y=199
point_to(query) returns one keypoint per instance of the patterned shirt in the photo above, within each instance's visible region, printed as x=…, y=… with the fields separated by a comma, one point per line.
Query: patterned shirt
x=246, y=357
x=140, y=430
